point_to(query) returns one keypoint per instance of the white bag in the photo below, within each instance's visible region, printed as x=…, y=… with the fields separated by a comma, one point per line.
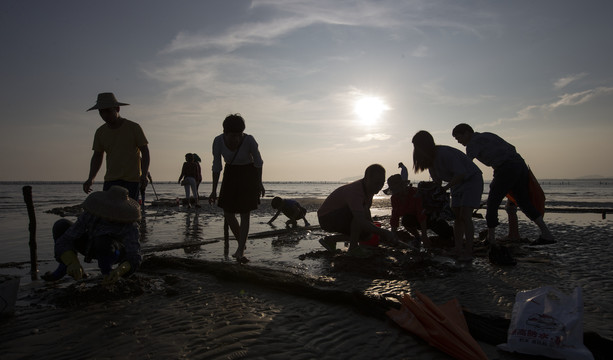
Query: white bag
x=547, y=322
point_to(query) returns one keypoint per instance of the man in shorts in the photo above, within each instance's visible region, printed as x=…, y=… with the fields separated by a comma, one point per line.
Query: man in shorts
x=511, y=175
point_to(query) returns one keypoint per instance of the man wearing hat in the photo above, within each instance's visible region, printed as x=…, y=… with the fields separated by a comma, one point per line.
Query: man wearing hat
x=124, y=143
x=106, y=231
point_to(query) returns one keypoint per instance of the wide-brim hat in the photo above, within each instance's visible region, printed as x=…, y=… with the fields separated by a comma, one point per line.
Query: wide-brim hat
x=105, y=101
x=395, y=179
x=113, y=205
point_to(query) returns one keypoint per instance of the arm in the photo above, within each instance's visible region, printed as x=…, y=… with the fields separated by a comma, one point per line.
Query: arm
x=213, y=196
x=144, y=166
x=274, y=217
x=457, y=179
x=262, y=190
x=94, y=167
x=182, y=173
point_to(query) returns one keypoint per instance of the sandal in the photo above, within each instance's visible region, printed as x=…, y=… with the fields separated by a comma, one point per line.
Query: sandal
x=331, y=247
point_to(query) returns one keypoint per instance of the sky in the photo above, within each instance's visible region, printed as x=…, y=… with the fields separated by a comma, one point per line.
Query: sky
x=326, y=87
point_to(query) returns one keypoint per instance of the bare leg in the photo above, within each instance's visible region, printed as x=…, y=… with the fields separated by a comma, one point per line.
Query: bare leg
x=233, y=225
x=354, y=238
x=242, y=239
x=511, y=209
x=458, y=231
x=469, y=231
x=545, y=233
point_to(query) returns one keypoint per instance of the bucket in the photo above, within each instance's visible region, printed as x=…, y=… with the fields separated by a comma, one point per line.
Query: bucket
x=374, y=239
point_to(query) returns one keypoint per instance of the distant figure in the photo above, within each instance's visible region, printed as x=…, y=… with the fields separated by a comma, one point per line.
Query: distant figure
x=199, y=178
x=464, y=179
x=242, y=186
x=407, y=205
x=124, y=142
x=511, y=175
x=189, y=174
x=347, y=211
x=290, y=208
x=106, y=231
x=404, y=173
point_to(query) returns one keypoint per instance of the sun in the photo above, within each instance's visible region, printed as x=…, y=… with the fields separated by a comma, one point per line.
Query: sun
x=369, y=109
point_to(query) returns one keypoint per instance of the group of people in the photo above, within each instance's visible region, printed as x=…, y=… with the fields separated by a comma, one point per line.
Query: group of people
x=107, y=230
x=191, y=177
x=347, y=210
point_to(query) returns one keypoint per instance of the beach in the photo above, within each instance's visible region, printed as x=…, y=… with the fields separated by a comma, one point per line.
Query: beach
x=191, y=301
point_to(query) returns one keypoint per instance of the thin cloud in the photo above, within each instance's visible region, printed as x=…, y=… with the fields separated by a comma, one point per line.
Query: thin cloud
x=370, y=137
x=543, y=111
x=420, y=52
x=565, y=81
x=580, y=97
x=290, y=16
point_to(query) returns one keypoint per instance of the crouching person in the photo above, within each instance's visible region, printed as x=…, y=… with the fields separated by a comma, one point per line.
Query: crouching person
x=106, y=231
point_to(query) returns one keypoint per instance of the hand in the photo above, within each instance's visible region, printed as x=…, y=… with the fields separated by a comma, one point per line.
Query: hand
x=73, y=266
x=262, y=190
x=213, y=197
x=87, y=186
x=390, y=236
x=116, y=273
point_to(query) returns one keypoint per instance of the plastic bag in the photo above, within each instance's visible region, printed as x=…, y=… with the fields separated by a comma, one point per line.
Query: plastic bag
x=547, y=322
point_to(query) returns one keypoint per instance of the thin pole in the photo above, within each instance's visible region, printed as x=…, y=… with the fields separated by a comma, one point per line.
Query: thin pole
x=27, y=197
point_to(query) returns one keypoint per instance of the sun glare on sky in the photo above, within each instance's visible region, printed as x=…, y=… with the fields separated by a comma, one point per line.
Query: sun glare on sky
x=369, y=109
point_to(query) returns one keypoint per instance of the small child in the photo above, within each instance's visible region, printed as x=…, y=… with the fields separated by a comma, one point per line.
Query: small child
x=291, y=209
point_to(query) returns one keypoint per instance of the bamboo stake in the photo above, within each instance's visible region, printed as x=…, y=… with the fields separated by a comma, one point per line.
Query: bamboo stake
x=27, y=197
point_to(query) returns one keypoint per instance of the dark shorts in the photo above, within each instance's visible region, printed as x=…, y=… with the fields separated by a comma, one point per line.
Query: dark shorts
x=338, y=221
x=132, y=187
x=240, y=189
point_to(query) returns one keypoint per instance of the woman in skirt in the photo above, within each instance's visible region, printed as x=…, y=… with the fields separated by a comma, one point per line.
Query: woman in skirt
x=241, y=187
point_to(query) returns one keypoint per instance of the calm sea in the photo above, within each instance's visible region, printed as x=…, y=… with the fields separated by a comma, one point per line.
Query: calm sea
x=587, y=196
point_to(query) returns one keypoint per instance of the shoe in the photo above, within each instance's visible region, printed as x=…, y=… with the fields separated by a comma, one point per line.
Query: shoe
x=242, y=260
x=331, y=247
x=542, y=241
x=359, y=252
x=49, y=276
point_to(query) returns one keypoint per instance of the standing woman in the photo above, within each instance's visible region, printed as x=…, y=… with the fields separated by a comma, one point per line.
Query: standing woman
x=464, y=179
x=189, y=174
x=241, y=187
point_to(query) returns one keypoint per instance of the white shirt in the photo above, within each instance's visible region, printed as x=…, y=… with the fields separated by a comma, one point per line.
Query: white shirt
x=248, y=153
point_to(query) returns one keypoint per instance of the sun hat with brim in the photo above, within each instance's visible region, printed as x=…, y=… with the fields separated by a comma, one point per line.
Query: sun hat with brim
x=395, y=179
x=113, y=205
x=106, y=101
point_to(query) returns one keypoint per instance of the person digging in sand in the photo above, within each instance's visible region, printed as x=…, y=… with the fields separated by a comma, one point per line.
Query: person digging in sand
x=242, y=186
x=511, y=175
x=107, y=231
x=407, y=205
x=464, y=179
x=347, y=211
x=290, y=208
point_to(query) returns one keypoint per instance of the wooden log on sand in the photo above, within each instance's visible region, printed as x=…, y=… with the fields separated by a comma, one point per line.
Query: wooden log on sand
x=486, y=328
x=184, y=244
x=27, y=197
